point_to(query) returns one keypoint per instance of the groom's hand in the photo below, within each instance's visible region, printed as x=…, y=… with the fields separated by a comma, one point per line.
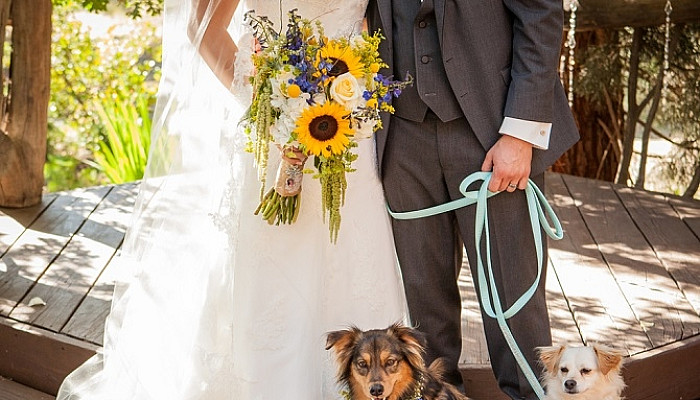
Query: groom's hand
x=509, y=160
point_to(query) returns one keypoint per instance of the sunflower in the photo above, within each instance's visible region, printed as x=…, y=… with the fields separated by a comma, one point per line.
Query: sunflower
x=341, y=58
x=323, y=130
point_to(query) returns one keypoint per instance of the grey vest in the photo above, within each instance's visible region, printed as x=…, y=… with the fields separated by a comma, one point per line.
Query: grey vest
x=417, y=51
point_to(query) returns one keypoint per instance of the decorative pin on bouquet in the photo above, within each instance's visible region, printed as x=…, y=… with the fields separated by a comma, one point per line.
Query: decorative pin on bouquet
x=313, y=97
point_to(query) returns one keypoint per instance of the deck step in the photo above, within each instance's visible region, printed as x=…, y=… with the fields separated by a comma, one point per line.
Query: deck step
x=38, y=358
x=11, y=390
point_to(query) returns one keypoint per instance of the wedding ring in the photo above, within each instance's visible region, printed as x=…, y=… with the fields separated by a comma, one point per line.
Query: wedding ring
x=512, y=185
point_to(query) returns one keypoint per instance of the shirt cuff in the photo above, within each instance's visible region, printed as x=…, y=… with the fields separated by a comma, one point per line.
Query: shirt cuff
x=533, y=132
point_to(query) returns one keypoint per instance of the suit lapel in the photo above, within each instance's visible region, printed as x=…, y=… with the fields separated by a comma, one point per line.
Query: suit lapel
x=385, y=15
x=439, y=16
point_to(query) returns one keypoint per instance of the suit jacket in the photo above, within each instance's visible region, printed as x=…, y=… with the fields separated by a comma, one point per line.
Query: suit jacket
x=501, y=59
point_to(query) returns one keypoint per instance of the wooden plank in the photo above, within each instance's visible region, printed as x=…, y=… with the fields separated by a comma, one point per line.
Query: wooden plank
x=29, y=257
x=68, y=280
x=11, y=390
x=655, y=298
x=673, y=242
x=561, y=317
x=14, y=221
x=599, y=306
x=689, y=212
x=87, y=323
x=474, y=350
x=38, y=358
x=668, y=372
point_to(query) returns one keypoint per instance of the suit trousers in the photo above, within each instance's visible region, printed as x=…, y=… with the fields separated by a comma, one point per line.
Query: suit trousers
x=423, y=165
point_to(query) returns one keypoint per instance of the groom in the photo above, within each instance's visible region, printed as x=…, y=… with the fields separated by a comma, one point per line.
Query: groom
x=486, y=98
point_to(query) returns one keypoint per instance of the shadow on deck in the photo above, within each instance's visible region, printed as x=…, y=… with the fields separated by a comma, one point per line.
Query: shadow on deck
x=627, y=273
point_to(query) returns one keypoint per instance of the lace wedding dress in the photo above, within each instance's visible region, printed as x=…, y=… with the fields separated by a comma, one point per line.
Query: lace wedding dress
x=212, y=302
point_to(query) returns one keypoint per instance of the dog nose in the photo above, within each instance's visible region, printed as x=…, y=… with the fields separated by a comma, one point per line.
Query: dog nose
x=570, y=384
x=376, y=390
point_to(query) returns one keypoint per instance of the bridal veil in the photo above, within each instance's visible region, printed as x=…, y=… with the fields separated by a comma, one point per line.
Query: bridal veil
x=172, y=259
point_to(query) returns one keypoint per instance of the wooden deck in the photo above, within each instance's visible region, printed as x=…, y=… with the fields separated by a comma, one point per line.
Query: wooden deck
x=627, y=273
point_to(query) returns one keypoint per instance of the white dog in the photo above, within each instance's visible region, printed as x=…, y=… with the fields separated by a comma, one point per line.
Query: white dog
x=582, y=373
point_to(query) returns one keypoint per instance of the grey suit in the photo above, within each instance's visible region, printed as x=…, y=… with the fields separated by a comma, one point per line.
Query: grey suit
x=500, y=59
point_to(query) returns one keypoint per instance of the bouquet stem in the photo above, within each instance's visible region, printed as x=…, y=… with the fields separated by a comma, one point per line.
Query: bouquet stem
x=281, y=204
x=278, y=209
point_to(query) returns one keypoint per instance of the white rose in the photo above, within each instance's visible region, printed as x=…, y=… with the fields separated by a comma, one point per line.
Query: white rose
x=346, y=90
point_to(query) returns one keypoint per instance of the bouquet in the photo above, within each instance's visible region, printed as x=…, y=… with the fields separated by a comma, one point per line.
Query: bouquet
x=313, y=97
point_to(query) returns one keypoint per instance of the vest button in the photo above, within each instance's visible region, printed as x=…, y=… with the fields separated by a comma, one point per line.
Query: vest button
x=425, y=59
x=422, y=24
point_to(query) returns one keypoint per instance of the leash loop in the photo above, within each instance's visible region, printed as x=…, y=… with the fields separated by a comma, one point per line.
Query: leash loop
x=540, y=214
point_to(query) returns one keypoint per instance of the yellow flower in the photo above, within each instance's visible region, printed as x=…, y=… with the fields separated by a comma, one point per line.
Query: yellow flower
x=374, y=67
x=293, y=90
x=342, y=58
x=371, y=103
x=323, y=130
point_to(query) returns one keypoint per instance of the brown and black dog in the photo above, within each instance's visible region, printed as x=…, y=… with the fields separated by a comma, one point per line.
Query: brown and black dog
x=387, y=364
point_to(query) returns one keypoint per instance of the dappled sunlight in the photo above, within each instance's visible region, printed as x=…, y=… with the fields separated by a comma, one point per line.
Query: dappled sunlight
x=602, y=285
x=28, y=259
x=57, y=260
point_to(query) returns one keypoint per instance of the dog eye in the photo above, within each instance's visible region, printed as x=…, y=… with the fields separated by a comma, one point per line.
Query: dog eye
x=362, y=364
x=390, y=362
x=564, y=370
x=585, y=371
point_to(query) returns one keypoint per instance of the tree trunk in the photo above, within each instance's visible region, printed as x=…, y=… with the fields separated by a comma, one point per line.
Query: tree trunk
x=595, y=14
x=4, y=17
x=23, y=145
x=655, y=95
x=634, y=109
x=646, y=133
x=597, y=154
x=694, y=183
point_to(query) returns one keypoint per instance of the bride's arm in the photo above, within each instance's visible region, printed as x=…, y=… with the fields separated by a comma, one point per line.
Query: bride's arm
x=209, y=20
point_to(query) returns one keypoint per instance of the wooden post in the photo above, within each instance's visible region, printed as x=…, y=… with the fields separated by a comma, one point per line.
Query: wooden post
x=23, y=143
x=596, y=14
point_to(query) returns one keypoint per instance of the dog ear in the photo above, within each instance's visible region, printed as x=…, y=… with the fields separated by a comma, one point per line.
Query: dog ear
x=414, y=342
x=608, y=359
x=549, y=357
x=342, y=343
x=343, y=339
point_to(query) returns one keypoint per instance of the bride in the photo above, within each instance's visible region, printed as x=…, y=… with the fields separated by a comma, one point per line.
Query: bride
x=211, y=302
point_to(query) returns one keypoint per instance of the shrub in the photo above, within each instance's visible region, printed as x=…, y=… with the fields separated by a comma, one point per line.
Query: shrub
x=123, y=66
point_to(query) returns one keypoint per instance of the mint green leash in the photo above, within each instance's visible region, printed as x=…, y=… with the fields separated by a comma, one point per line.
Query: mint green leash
x=539, y=210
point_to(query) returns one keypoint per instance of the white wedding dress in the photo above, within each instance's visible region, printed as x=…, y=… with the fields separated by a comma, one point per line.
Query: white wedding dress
x=212, y=302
